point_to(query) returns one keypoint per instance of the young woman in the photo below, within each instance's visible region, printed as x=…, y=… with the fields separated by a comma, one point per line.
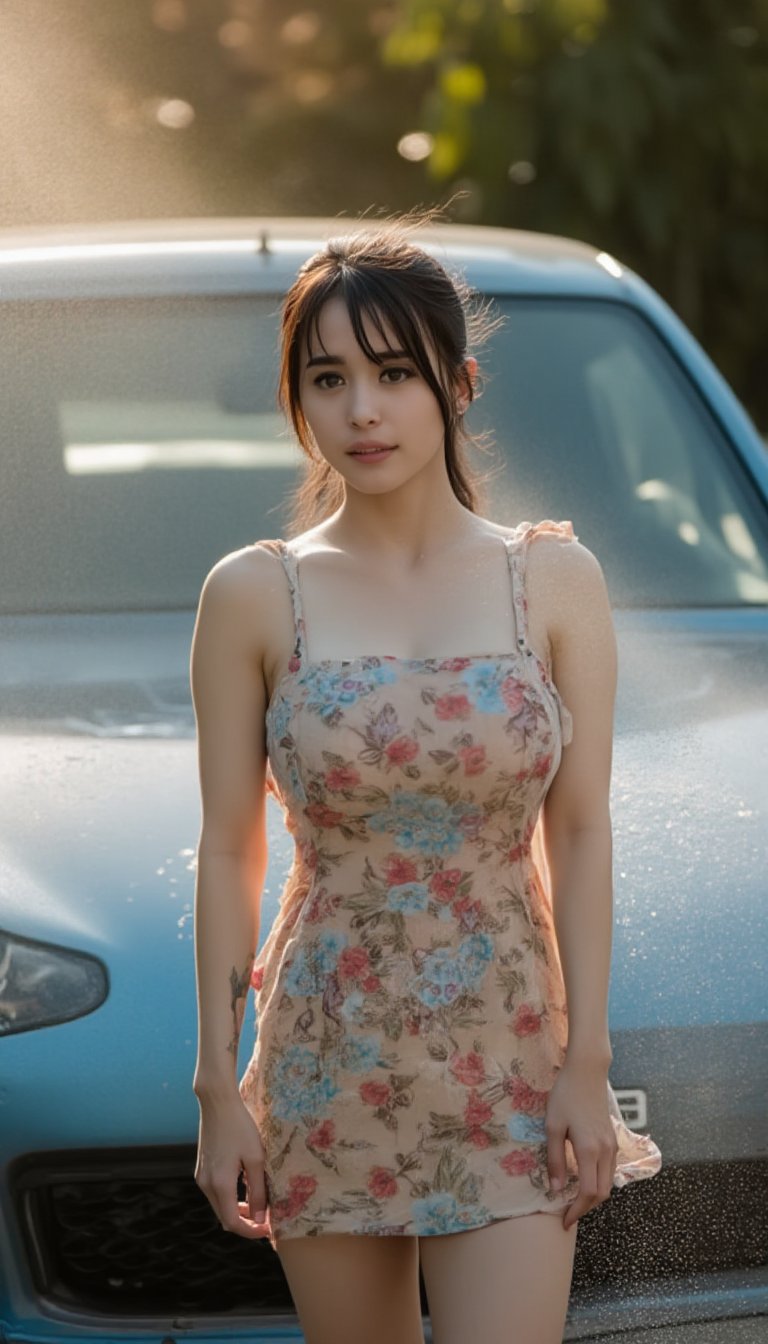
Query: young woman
x=430, y=697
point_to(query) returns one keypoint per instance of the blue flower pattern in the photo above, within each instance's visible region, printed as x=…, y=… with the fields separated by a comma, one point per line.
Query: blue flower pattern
x=423, y=822
x=328, y=693
x=440, y=1213
x=445, y=974
x=408, y=897
x=484, y=682
x=526, y=1128
x=313, y=963
x=296, y=1089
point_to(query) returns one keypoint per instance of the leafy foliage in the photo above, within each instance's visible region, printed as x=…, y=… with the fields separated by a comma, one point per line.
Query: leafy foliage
x=636, y=125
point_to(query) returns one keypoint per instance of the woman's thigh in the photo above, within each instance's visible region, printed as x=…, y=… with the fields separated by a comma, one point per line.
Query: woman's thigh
x=507, y=1283
x=351, y=1287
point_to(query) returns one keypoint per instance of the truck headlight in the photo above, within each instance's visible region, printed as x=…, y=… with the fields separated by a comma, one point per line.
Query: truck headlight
x=41, y=984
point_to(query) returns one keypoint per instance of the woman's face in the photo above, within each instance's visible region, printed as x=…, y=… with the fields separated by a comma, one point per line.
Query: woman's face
x=346, y=398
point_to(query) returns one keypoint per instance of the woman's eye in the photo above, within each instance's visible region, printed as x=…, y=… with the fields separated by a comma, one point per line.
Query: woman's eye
x=406, y=373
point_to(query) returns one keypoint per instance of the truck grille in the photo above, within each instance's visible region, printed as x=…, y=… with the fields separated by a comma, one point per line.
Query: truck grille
x=128, y=1232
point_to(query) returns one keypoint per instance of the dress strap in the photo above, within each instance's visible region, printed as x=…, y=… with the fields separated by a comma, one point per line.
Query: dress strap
x=517, y=550
x=290, y=564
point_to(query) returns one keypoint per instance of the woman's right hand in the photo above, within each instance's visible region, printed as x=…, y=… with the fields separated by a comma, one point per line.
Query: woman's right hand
x=229, y=1143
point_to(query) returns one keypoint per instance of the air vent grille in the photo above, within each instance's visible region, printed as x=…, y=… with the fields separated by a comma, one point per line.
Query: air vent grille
x=129, y=1232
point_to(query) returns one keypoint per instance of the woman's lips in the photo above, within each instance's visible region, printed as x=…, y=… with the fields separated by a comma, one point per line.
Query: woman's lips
x=372, y=454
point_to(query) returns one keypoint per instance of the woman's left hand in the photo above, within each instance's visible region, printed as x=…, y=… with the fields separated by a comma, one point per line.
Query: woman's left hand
x=577, y=1109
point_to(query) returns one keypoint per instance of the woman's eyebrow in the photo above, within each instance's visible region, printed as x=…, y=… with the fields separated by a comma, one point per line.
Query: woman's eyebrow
x=337, y=359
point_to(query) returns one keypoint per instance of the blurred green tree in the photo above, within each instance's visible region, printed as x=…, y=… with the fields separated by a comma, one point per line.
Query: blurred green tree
x=636, y=125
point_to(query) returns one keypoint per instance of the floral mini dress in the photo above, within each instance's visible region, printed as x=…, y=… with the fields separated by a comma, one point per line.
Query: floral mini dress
x=410, y=1006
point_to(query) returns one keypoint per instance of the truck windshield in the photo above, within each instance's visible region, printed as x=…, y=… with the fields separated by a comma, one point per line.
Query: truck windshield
x=142, y=443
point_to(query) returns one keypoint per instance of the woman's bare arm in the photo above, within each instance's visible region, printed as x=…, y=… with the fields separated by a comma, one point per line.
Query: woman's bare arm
x=578, y=846
x=577, y=820
x=230, y=701
x=229, y=695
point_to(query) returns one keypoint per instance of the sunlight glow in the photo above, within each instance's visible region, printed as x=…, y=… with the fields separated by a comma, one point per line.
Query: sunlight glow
x=95, y=251
x=609, y=264
x=689, y=533
x=102, y=459
x=653, y=489
x=739, y=539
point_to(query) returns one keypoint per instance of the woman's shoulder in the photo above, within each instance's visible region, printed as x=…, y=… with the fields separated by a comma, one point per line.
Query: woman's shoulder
x=565, y=578
x=247, y=581
x=556, y=561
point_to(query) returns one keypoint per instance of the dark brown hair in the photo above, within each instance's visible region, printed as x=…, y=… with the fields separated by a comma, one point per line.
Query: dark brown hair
x=379, y=272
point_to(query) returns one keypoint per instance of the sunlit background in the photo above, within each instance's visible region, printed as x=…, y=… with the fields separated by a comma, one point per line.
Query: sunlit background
x=142, y=443
x=635, y=125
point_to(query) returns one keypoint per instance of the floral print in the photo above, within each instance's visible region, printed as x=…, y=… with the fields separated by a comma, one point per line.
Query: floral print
x=427, y=823
x=329, y=695
x=411, y=1014
x=298, y=1088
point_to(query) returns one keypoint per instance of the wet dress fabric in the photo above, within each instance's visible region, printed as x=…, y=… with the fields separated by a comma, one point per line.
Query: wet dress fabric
x=410, y=1006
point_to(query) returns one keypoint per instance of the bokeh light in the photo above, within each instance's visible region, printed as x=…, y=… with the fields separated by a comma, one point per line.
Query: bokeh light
x=170, y=15
x=522, y=172
x=310, y=86
x=174, y=113
x=301, y=28
x=415, y=146
x=234, y=33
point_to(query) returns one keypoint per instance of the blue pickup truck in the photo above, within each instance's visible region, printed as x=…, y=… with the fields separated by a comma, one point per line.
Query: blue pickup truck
x=140, y=443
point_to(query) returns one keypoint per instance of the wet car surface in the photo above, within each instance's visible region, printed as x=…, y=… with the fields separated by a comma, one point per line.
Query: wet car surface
x=140, y=444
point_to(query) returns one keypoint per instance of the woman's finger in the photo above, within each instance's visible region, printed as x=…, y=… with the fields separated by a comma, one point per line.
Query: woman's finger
x=248, y=1226
x=222, y=1194
x=257, y=1192
x=596, y=1172
x=606, y=1171
x=586, y=1161
x=556, y=1164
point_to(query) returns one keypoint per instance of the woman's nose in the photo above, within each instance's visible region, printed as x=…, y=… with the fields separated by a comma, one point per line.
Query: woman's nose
x=362, y=405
